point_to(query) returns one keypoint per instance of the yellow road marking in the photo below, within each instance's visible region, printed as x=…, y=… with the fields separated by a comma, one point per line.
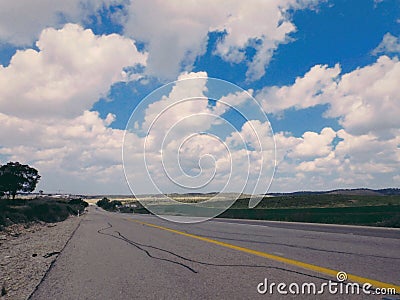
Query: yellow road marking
x=326, y=271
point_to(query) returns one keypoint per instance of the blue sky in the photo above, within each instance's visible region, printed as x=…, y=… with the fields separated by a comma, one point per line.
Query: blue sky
x=322, y=37
x=323, y=72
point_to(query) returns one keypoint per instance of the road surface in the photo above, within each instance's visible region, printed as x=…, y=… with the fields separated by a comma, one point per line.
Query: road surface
x=123, y=256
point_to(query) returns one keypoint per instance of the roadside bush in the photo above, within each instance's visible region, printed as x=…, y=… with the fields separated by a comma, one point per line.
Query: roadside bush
x=103, y=202
x=46, y=209
x=106, y=204
x=17, y=218
x=125, y=209
x=78, y=201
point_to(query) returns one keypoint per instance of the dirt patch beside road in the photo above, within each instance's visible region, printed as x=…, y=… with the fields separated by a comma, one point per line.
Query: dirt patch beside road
x=26, y=253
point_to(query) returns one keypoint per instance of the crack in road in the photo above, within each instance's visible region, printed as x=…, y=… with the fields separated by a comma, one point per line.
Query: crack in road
x=141, y=247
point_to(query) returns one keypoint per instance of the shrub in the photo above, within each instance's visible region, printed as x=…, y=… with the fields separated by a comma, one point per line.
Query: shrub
x=103, y=202
x=40, y=209
x=106, y=204
x=78, y=201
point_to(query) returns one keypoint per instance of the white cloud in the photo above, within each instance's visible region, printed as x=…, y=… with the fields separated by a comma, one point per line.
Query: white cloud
x=300, y=154
x=232, y=101
x=366, y=151
x=365, y=100
x=181, y=145
x=285, y=144
x=176, y=34
x=170, y=110
x=369, y=152
x=78, y=154
x=256, y=135
x=22, y=21
x=389, y=44
x=364, y=160
x=172, y=144
x=305, y=92
x=70, y=71
x=256, y=23
x=314, y=144
x=323, y=165
x=45, y=97
x=356, y=161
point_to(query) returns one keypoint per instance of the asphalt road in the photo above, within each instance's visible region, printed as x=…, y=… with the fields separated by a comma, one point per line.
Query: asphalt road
x=121, y=256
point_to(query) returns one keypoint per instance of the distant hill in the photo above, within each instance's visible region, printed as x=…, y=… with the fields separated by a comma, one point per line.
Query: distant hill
x=389, y=191
x=355, y=192
x=349, y=192
x=352, y=192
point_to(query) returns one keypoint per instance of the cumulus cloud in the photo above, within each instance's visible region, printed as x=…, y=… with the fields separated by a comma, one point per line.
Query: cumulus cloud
x=305, y=92
x=176, y=34
x=22, y=21
x=295, y=153
x=365, y=151
x=78, y=154
x=314, y=145
x=172, y=124
x=186, y=140
x=46, y=94
x=322, y=165
x=353, y=161
x=365, y=100
x=185, y=99
x=389, y=44
x=364, y=159
x=45, y=97
x=71, y=70
x=81, y=153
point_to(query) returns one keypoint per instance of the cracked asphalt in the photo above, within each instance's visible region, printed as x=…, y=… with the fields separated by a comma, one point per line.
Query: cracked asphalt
x=113, y=256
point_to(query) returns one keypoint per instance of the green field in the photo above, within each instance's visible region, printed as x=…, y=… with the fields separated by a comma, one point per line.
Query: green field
x=384, y=215
x=371, y=210
x=324, y=201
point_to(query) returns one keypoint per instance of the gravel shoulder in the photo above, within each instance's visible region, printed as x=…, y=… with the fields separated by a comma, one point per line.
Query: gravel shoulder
x=27, y=253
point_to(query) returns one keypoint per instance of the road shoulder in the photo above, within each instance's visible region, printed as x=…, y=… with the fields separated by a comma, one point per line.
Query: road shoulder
x=26, y=254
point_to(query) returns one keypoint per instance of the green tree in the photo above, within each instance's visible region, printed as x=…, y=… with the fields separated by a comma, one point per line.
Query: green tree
x=15, y=177
x=106, y=204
